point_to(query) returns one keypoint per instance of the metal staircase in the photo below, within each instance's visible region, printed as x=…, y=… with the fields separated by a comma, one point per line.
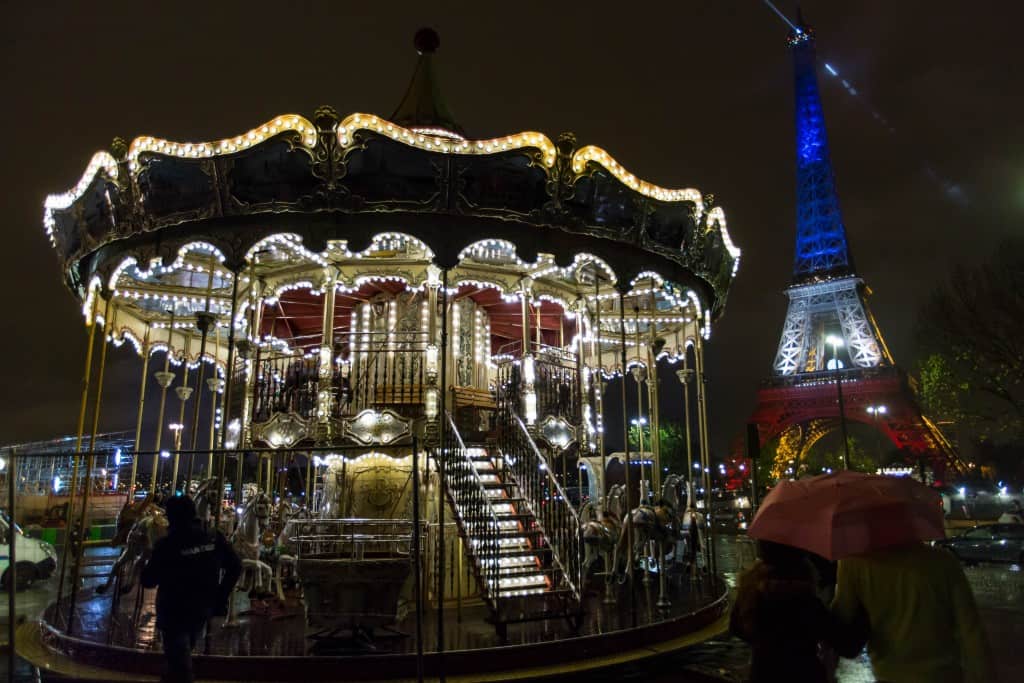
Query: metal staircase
x=517, y=566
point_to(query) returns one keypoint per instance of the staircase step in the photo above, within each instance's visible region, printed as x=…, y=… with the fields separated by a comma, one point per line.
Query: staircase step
x=523, y=570
x=522, y=552
x=523, y=582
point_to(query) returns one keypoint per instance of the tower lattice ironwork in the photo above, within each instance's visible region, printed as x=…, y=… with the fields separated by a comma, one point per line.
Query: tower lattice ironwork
x=826, y=301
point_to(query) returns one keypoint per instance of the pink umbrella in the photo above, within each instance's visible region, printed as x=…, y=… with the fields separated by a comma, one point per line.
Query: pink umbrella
x=849, y=513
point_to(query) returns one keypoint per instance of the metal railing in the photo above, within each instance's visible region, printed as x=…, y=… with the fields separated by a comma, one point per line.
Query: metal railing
x=379, y=370
x=475, y=511
x=349, y=538
x=555, y=515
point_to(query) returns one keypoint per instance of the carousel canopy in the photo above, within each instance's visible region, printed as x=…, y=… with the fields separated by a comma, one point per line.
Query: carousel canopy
x=329, y=179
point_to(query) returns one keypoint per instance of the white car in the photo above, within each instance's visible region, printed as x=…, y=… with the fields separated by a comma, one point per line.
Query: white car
x=35, y=559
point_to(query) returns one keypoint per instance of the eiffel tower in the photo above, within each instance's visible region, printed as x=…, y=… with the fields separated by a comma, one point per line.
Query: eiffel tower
x=832, y=356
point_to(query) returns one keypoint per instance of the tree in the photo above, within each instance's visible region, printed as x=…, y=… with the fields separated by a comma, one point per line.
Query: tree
x=673, y=444
x=970, y=333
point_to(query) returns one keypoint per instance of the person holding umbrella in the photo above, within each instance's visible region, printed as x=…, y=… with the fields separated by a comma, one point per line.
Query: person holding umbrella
x=912, y=600
x=790, y=630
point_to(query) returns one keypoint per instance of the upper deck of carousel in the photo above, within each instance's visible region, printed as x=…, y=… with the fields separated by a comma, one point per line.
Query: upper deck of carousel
x=331, y=185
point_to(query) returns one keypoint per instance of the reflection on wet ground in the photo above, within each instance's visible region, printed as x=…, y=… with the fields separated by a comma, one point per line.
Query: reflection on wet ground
x=265, y=628
x=999, y=590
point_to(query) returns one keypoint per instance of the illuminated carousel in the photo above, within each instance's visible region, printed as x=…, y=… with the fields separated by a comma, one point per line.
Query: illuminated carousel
x=423, y=326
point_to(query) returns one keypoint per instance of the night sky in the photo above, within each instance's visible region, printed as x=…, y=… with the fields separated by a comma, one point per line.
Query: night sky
x=688, y=93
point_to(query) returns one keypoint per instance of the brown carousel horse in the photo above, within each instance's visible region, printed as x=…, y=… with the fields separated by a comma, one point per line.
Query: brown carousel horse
x=600, y=535
x=139, y=526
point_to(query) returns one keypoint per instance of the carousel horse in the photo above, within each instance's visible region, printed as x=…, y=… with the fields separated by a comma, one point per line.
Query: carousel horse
x=286, y=554
x=205, y=496
x=139, y=526
x=600, y=535
x=654, y=525
x=247, y=539
x=691, y=536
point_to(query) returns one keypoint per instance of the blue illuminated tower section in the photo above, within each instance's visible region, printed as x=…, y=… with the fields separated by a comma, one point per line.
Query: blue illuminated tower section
x=826, y=298
x=821, y=248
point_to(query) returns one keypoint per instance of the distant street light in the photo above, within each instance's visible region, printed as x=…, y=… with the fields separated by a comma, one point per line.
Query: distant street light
x=176, y=427
x=875, y=411
x=836, y=343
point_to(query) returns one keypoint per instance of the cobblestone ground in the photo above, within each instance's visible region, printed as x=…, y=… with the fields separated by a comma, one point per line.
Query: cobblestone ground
x=998, y=589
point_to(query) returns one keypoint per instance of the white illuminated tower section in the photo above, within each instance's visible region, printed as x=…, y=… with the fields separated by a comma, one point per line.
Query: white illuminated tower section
x=826, y=297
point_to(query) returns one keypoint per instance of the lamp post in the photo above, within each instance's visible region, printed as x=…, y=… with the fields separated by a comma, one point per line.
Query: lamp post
x=640, y=423
x=685, y=375
x=176, y=427
x=875, y=411
x=836, y=343
x=164, y=455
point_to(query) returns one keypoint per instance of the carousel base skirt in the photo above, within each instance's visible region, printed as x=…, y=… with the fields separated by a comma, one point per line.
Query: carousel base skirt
x=271, y=641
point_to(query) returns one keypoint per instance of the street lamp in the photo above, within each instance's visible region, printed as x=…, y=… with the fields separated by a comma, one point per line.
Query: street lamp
x=639, y=423
x=836, y=343
x=176, y=427
x=875, y=411
x=164, y=455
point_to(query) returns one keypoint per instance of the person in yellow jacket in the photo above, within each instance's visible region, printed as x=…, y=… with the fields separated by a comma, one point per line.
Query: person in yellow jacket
x=919, y=614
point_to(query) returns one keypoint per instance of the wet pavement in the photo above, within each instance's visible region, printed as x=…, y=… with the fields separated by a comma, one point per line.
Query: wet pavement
x=998, y=589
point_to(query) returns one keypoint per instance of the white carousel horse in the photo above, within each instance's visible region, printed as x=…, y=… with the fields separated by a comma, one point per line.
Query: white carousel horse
x=286, y=552
x=139, y=526
x=205, y=496
x=600, y=535
x=247, y=539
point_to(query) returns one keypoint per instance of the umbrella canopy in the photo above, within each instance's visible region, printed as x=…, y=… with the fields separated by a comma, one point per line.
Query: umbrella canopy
x=849, y=513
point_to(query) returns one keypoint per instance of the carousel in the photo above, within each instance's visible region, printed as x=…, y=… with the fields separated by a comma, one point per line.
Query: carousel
x=381, y=353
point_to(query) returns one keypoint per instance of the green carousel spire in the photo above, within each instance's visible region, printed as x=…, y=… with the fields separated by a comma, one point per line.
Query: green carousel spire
x=422, y=107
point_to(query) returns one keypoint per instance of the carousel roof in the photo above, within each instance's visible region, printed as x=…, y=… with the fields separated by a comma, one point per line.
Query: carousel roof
x=328, y=178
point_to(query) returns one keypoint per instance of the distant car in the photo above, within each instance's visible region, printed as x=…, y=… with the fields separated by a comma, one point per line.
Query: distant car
x=35, y=559
x=989, y=543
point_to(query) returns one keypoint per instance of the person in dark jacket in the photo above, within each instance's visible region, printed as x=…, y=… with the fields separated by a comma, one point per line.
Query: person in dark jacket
x=779, y=613
x=194, y=572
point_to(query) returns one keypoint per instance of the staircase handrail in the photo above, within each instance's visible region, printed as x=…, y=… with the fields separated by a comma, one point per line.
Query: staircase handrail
x=482, y=538
x=566, y=546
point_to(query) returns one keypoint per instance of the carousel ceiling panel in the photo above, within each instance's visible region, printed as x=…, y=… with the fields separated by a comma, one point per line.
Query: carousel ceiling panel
x=171, y=186
x=355, y=178
x=276, y=171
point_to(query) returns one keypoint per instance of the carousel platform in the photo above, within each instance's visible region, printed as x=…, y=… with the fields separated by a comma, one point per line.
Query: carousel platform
x=272, y=643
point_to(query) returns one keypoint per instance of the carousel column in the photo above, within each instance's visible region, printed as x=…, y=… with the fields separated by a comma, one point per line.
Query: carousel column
x=653, y=349
x=431, y=396
x=184, y=392
x=215, y=386
x=90, y=459
x=204, y=321
x=252, y=371
x=640, y=374
x=245, y=350
x=90, y=323
x=529, y=369
x=226, y=399
x=325, y=390
x=625, y=438
x=705, y=450
x=142, y=405
x=685, y=375
x=601, y=384
x=442, y=487
x=164, y=378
